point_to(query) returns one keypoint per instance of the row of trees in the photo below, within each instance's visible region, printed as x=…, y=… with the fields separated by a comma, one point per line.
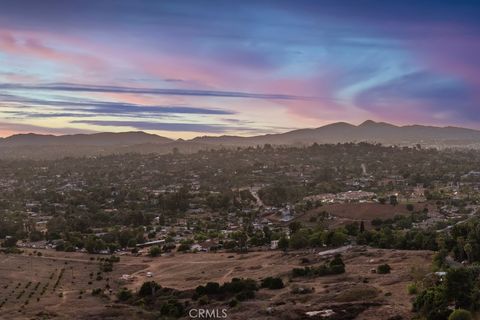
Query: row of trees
x=460, y=289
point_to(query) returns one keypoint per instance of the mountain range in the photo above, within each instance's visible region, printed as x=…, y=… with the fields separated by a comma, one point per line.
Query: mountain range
x=340, y=132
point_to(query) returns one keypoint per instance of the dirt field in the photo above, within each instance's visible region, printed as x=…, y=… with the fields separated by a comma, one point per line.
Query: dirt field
x=56, y=285
x=345, y=213
x=357, y=293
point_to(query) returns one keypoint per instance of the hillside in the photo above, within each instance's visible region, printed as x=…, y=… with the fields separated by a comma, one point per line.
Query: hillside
x=369, y=131
x=49, y=146
x=96, y=139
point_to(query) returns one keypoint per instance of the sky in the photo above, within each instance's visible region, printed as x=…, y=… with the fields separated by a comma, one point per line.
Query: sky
x=205, y=67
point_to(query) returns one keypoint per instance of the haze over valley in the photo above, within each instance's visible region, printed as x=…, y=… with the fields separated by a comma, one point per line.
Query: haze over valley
x=49, y=146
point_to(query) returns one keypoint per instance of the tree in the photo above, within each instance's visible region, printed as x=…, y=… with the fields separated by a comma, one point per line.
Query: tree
x=267, y=233
x=154, y=251
x=336, y=238
x=362, y=227
x=124, y=294
x=460, y=314
x=272, y=283
x=337, y=265
x=148, y=289
x=299, y=239
x=294, y=227
x=432, y=304
x=393, y=200
x=440, y=258
x=283, y=243
x=459, y=284
x=242, y=242
x=468, y=251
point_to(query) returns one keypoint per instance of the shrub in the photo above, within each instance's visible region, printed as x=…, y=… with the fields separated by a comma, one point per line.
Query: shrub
x=460, y=314
x=96, y=292
x=212, y=288
x=233, y=303
x=173, y=309
x=243, y=288
x=335, y=266
x=124, y=294
x=183, y=247
x=412, y=288
x=272, y=283
x=148, y=288
x=155, y=251
x=245, y=295
x=107, y=266
x=383, y=269
x=237, y=285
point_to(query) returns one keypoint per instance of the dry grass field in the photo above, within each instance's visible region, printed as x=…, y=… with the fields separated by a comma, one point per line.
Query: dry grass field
x=58, y=285
x=364, y=295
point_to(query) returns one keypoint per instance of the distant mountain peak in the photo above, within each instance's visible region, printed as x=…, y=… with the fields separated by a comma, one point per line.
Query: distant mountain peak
x=340, y=124
x=374, y=124
x=367, y=123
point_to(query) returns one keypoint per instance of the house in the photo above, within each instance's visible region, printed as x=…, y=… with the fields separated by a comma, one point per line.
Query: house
x=274, y=244
x=196, y=247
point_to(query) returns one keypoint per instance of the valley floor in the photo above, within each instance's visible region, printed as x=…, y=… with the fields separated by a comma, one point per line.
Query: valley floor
x=69, y=279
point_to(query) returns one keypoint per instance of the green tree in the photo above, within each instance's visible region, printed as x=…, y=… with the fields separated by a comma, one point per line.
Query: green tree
x=459, y=284
x=283, y=243
x=294, y=227
x=154, y=251
x=299, y=239
x=460, y=314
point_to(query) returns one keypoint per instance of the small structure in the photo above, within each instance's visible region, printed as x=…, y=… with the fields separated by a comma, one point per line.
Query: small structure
x=151, y=243
x=274, y=244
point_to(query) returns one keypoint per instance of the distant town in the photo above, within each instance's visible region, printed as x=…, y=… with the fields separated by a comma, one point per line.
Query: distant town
x=322, y=200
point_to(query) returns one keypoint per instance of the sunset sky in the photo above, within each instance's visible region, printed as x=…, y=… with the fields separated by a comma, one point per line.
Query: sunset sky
x=190, y=68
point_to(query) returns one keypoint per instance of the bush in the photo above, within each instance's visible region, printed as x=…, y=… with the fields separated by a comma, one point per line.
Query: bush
x=460, y=314
x=155, y=251
x=335, y=266
x=237, y=285
x=233, y=303
x=107, y=266
x=96, y=292
x=124, y=294
x=148, y=288
x=272, y=283
x=173, y=309
x=243, y=289
x=209, y=288
x=183, y=247
x=412, y=288
x=245, y=295
x=383, y=269
x=212, y=288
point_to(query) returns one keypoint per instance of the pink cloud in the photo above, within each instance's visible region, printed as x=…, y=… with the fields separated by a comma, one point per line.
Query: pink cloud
x=30, y=45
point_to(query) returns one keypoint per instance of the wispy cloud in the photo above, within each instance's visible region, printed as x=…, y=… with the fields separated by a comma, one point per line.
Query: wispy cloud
x=30, y=128
x=165, y=126
x=94, y=107
x=151, y=91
